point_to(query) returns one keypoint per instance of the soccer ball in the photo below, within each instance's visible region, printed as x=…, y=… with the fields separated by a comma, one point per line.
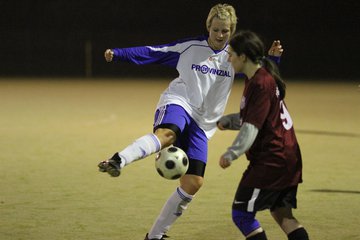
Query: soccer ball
x=171, y=163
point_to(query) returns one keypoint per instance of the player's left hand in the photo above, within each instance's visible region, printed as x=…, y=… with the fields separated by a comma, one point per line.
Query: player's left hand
x=276, y=49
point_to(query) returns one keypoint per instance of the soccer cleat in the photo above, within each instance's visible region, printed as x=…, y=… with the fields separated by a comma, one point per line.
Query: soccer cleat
x=111, y=166
x=162, y=238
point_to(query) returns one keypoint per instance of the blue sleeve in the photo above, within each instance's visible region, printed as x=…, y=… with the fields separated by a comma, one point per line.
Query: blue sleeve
x=167, y=54
x=240, y=75
x=146, y=55
x=275, y=59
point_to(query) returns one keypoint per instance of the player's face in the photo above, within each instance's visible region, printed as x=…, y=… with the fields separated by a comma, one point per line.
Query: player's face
x=236, y=61
x=219, y=33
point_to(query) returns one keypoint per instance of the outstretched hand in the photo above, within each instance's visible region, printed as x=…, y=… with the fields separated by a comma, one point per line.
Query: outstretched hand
x=276, y=49
x=109, y=54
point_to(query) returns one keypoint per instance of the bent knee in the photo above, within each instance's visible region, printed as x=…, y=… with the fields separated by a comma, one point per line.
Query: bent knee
x=191, y=183
x=280, y=214
x=245, y=221
x=166, y=136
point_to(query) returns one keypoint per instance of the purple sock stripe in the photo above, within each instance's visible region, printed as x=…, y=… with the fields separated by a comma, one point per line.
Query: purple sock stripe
x=156, y=141
x=182, y=196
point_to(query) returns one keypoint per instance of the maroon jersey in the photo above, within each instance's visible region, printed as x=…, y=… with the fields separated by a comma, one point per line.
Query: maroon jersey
x=275, y=158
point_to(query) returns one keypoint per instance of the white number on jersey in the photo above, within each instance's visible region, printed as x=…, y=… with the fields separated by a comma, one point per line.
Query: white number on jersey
x=285, y=116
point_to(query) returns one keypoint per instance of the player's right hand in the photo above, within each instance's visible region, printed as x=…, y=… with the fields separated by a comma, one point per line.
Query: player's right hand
x=109, y=54
x=224, y=162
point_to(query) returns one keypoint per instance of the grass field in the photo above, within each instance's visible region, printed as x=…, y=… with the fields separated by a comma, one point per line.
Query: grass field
x=53, y=134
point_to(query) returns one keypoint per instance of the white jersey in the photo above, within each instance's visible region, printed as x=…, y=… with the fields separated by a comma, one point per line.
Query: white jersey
x=204, y=82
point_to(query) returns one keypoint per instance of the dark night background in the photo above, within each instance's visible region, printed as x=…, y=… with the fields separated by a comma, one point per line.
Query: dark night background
x=48, y=38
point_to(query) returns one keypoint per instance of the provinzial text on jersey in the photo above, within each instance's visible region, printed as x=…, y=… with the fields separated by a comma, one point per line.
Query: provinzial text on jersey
x=205, y=70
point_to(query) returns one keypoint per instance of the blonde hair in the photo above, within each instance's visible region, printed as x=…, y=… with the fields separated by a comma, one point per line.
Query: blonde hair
x=223, y=12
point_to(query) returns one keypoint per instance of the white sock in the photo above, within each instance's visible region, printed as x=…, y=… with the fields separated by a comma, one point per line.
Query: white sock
x=141, y=148
x=172, y=209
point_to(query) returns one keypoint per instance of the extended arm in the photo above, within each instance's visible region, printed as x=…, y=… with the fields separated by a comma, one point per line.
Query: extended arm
x=143, y=55
x=166, y=54
x=241, y=144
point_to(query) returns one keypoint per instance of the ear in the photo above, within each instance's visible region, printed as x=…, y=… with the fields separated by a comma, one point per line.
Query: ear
x=243, y=57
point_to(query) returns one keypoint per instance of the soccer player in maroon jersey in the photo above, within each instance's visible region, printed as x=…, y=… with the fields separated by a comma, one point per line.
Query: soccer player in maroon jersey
x=267, y=137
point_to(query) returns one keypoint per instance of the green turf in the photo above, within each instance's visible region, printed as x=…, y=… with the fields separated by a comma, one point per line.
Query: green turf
x=53, y=134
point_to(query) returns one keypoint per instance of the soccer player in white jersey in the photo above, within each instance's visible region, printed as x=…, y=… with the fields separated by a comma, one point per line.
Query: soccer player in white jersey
x=188, y=109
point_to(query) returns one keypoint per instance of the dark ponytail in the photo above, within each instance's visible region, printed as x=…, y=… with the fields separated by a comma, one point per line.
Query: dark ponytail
x=248, y=43
x=273, y=69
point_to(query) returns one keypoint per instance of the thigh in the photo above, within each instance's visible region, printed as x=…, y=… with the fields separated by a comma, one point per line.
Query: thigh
x=286, y=199
x=170, y=116
x=189, y=136
x=254, y=199
x=196, y=142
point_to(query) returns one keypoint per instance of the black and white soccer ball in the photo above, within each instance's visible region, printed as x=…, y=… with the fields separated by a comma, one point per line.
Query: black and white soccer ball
x=171, y=163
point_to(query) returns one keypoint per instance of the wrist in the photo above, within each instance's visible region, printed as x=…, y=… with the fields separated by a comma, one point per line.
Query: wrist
x=230, y=156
